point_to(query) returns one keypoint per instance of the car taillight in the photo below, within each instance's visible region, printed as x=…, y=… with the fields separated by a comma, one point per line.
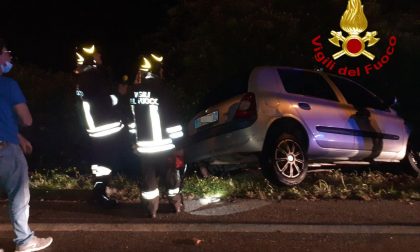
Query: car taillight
x=247, y=107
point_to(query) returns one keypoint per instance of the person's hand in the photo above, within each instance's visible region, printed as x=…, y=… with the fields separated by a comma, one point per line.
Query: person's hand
x=25, y=145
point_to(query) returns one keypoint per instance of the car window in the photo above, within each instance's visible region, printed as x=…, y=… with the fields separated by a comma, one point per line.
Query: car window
x=358, y=95
x=306, y=83
x=223, y=92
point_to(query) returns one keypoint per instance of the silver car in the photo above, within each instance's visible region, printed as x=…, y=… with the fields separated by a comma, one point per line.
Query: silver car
x=289, y=119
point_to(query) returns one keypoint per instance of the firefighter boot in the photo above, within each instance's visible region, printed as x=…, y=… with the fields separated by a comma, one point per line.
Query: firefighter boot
x=176, y=202
x=100, y=196
x=152, y=206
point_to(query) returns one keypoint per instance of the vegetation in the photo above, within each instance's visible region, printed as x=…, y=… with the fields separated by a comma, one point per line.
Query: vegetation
x=57, y=179
x=336, y=184
x=331, y=185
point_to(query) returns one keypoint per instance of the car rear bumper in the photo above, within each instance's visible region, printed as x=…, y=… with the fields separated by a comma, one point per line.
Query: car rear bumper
x=244, y=140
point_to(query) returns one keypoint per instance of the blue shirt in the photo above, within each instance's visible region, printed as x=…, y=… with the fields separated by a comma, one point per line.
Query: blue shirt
x=10, y=95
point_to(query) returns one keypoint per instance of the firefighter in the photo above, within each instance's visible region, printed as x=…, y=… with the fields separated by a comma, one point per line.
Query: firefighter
x=157, y=132
x=101, y=118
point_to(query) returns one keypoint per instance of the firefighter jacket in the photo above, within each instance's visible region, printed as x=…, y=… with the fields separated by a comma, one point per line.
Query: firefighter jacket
x=97, y=104
x=155, y=123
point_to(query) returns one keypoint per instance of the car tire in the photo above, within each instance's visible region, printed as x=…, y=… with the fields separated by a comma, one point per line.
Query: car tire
x=284, y=160
x=411, y=161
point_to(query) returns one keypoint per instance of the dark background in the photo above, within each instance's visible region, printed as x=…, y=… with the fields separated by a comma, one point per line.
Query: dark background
x=210, y=47
x=45, y=33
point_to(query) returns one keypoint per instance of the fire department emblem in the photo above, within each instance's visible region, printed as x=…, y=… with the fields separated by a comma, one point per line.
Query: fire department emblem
x=353, y=22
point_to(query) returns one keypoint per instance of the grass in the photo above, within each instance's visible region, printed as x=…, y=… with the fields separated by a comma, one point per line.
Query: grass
x=367, y=185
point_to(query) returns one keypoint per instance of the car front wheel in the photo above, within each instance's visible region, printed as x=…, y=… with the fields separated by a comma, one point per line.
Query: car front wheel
x=412, y=159
x=286, y=159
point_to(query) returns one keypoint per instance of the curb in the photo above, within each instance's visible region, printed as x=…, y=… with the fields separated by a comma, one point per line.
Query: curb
x=195, y=207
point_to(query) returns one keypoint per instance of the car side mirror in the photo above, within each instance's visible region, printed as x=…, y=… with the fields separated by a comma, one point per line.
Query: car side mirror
x=394, y=104
x=391, y=102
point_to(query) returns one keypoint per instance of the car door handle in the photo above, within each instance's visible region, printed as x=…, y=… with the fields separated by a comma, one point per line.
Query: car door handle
x=304, y=106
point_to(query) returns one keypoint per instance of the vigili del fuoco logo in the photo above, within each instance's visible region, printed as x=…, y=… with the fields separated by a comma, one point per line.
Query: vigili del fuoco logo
x=353, y=43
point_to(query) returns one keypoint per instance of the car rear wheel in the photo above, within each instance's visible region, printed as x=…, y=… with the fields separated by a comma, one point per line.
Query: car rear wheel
x=199, y=169
x=285, y=158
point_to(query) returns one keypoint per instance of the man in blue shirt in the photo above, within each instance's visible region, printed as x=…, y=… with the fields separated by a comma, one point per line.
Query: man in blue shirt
x=14, y=178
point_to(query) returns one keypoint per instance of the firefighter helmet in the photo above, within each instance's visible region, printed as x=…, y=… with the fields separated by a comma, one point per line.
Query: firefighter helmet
x=87, y=57
x=151, y=63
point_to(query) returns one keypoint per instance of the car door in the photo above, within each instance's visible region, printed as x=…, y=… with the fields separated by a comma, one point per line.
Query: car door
x=318, y=107
x=377, y=129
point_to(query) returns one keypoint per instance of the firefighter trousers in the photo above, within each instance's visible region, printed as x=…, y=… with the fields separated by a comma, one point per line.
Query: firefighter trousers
x=159, y=168
x=155, y=169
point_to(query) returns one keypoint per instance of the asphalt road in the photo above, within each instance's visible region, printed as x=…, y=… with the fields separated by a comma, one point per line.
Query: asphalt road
x=180, y=241
x=243, y=225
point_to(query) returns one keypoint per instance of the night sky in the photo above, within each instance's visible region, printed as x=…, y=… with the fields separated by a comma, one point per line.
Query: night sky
x=45, y=33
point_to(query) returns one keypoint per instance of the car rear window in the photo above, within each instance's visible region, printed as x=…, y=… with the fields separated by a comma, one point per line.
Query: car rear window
x=357, y=95
x=306, y=83
x=223, y=92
